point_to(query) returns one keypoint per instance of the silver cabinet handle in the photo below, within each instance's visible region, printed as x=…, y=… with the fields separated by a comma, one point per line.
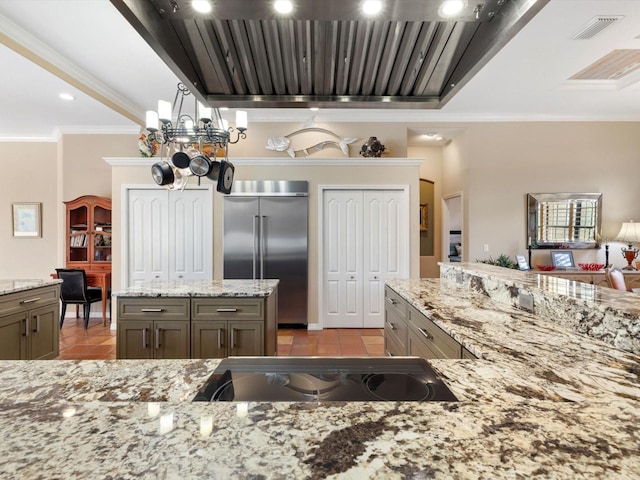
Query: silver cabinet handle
x=145, y=337
x=255, y=239
x=26, y=327
x=158, y=330
x=30, y=300
x=391, y=301
x=37, y=318
x=426, y=334
x=262, y=217
x=226, y=310
x=219, y=338
x=152, y=310
x=233, y=338
x=391, y=325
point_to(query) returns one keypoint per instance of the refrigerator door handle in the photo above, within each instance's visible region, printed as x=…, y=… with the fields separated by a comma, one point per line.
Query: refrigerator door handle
x=255, y=239
x=262, y=217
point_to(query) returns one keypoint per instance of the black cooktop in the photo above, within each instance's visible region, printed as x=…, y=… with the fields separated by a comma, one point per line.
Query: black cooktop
x=324, y=379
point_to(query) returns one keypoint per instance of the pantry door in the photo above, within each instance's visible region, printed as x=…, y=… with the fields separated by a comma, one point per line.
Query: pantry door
x=169, y=235
x=365, y=241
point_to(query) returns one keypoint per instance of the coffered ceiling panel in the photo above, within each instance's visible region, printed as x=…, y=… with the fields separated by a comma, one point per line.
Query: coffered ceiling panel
x=326, y=53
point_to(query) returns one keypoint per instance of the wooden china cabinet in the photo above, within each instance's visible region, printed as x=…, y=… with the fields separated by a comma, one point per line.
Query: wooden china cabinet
x=89, y=241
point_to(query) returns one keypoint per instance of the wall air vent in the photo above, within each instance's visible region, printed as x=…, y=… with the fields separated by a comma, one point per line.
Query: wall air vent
x=595, y=26
x=612, y=66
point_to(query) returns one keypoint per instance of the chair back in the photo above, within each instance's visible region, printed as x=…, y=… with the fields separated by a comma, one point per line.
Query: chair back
x=615, y=279
x=74, y=284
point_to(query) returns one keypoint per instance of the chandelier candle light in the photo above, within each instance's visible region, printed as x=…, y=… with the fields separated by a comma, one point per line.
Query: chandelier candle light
x=629, y=234
x=188, y=136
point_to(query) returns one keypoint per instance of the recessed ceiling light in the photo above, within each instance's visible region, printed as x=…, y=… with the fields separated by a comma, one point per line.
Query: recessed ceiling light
x=202, y=6
x=450, y=8
x=283, y=6
x=435, y=137
x=314, y=109
x=66, y=96
x=371, y=7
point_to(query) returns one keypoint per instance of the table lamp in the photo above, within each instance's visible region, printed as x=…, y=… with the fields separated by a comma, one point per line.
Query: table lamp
x=629, y=234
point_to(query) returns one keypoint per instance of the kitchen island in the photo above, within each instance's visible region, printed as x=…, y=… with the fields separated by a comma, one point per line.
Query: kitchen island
x=29, y=316
x=540, y=401
x=197, y=319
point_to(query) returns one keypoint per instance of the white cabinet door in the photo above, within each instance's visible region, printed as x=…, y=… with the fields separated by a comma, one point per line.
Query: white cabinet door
x=382, y=250
x=169, y=235
x=190, y=235
x=148, y=236
x=364, y=241
x=343, y=258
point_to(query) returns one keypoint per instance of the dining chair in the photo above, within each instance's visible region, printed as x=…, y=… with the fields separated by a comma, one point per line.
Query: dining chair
x=615, y=279
x=75, y=291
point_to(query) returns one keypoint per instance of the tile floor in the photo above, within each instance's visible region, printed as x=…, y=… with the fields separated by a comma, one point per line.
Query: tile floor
x=98, y=342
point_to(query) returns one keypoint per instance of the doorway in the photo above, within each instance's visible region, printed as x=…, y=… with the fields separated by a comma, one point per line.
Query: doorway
x=452, y=234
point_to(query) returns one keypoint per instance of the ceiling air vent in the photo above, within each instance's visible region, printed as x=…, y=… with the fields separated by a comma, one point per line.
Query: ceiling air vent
x=612, y=66
x=595, y=26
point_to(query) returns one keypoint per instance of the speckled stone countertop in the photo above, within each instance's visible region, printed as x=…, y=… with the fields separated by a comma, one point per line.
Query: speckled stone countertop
x=604, y=313
x=541, y=402
x=13, y=286
x=201, y=288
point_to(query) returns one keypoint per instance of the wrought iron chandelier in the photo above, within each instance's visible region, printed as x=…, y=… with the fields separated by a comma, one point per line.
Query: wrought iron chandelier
x=195, y=142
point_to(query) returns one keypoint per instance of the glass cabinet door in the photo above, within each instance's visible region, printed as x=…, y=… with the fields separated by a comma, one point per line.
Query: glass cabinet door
x=102, y=234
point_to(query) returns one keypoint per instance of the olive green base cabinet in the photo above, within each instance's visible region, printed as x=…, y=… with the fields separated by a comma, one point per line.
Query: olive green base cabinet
x=153, y=328
x=199, y=327
x=29, y=324
x=224, y=327
x=408, y=332
x=395, y=324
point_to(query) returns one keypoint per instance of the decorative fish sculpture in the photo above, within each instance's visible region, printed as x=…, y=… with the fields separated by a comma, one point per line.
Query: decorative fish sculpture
x=282, y=144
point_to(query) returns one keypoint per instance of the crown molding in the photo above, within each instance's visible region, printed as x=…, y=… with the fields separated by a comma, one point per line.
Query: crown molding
x=264, y=162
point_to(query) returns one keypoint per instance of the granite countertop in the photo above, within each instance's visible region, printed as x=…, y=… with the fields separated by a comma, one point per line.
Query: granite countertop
x=541, y=401
x=13, y=286
x=201, y=288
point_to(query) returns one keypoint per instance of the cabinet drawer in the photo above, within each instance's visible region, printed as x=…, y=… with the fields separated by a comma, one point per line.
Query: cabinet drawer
x=437, y=339
x=392, y=346
x=227, y=309
x=395, y=303
x=396, y=327
x=29, y=299
x=141, y=308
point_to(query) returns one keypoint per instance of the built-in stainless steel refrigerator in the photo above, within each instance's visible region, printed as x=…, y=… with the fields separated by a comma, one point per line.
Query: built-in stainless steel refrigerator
x=265, y=237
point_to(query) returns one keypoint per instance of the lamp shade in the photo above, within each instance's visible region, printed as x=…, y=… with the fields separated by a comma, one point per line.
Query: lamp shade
x=629, y=233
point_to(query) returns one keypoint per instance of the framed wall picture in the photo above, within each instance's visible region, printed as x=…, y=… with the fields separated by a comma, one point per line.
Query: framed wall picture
x=562, y=259
x=522, y=262
x=27, y=220
x=424, y=217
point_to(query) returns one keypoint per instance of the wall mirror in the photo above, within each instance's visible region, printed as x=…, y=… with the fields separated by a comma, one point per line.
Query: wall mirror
x=564, y=220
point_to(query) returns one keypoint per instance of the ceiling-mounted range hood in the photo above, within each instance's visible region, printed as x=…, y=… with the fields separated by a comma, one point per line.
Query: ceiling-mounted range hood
x=326, y=53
